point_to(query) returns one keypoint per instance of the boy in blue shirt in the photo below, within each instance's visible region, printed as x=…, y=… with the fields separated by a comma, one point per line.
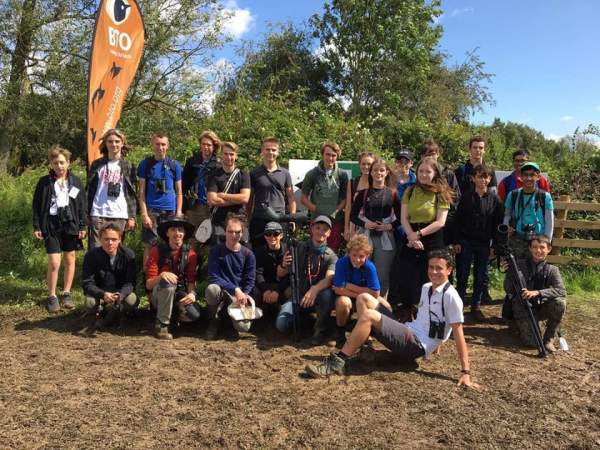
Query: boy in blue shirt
x=355, y=274
x=160, y=193
x=529, y=211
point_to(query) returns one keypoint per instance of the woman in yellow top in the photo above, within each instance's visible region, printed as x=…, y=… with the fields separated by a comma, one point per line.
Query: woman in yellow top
x=423, y=216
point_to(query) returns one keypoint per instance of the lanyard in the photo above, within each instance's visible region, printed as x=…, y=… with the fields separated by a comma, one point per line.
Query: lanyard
x=430, y=293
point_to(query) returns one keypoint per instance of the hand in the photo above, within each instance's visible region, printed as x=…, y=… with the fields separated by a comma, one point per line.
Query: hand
x=371, y=225
x=511, y=230
x=146, y=221
x=347, y=234
x=82, y=234
x=188, y=299
x=130, y=224
x=465, y=380
x=293, y=227
x=110, y=297
x=38, y=235
x=526, y=294
x=457, y=248
x=417, y=245
x=169, y=277
x=309, y=298
x=270, y=297
x=240, y=297
x=492, y=253
x=287, y=260
x=412, y=236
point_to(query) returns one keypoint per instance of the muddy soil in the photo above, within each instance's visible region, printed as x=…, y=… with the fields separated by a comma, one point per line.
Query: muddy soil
x=127, y=390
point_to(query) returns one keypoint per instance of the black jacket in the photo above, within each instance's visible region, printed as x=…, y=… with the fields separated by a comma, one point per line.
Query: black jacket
x=99, y=277
x=267, y=261
x=42, y=199
x=189, y=177
x=477, y=218
x=129, y=178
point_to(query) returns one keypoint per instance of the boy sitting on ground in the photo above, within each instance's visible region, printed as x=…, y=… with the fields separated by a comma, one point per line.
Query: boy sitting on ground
x=439, y=314
x=355, y=274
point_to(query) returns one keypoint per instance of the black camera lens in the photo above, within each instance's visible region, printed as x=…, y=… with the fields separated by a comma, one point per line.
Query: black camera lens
x=161, y=186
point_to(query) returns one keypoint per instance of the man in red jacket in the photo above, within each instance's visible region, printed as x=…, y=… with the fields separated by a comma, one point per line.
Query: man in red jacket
x=514, y=180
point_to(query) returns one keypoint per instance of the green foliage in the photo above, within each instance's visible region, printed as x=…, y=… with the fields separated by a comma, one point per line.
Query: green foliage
x=282, y=63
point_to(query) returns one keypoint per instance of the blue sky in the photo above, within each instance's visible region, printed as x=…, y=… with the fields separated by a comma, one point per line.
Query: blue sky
x=545, y=54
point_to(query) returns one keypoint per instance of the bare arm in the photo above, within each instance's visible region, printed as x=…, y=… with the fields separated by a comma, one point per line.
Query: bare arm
x=463, y=355
x=235, y=199
x=348, y=207
x=291, y=199
x=179, y=197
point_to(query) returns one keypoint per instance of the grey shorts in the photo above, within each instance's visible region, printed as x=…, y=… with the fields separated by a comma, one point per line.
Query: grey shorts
x=397, y=337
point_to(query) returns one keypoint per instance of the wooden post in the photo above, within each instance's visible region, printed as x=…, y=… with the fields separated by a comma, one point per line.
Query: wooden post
x=559, y=232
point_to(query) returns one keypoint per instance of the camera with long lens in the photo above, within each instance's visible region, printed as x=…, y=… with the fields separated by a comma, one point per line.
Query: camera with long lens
x=114, y=189
x=64, y=214
x=161, y=185
x=436, y=329
x=298, y=218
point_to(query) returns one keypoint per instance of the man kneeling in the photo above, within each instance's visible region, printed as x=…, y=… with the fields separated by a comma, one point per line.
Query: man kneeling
x=108, y=277
x=171, y=277
x=440, y=313
x=545, y=290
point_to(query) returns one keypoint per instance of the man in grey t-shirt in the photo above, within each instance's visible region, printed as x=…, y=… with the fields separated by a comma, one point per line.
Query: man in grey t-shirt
x=271, y=185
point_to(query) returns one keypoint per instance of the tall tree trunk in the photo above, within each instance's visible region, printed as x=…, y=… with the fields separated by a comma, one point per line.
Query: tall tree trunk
x=18, y=72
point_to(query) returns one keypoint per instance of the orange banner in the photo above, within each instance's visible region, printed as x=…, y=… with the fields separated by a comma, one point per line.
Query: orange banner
x=116, y=52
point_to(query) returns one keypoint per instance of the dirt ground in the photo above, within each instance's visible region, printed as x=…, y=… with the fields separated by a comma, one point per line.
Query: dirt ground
x=59, y=389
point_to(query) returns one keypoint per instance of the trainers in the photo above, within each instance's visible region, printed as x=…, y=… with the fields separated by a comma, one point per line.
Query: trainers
x=162, y=332
x=549, y=346
x=53, y=305
x=212, y=330
x=332, y=365
x=65, y=300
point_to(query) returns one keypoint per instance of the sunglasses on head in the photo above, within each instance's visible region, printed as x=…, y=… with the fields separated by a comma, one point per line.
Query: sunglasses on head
x=272, y=233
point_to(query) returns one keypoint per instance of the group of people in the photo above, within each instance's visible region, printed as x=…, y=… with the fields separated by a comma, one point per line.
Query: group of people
x=398, y=225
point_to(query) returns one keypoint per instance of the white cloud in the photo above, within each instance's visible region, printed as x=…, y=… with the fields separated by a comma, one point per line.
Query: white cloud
x=238, y=20
x=460, y=11
x=566, y=118
x=554, y=137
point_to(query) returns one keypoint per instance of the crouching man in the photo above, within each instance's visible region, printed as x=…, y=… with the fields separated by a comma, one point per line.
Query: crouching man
x=231, y=276
x=108, y=277
x=545, y=290
x=316, y=267
x=439, y=315
x=171, y=277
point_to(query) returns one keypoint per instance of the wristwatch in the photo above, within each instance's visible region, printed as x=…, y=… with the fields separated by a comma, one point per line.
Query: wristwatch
x=419, y=234
x=466, y=371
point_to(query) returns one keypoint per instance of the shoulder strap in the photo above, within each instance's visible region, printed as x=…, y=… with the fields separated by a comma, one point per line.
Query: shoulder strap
x=541, y=199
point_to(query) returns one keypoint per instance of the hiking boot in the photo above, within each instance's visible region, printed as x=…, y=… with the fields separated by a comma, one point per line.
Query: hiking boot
x=65, y=300
x=332, y=365
x=53, y=305
x=340, y=337
x=162, y=332
x=213, y=330
x=476, y=313
x=549, y=346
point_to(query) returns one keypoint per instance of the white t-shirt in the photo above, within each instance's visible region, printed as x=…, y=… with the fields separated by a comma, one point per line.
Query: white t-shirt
x=60, y=199
x=453, y=306
x=103, y=205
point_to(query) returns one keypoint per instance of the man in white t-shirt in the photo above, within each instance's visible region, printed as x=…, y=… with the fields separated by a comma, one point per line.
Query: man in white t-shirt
x=111, y=188
x=439, y=315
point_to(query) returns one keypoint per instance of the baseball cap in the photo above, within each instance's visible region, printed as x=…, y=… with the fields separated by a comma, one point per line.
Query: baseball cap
x=323, y=219
x=531, y=165
x=404, y=153
x=273, y=226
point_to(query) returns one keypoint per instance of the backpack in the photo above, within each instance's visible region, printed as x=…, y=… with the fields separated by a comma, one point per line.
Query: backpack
x=540, y=202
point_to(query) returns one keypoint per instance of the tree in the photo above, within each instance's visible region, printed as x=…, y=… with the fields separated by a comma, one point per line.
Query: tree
x=44, y=56
x=379, y=52
x=282, y=63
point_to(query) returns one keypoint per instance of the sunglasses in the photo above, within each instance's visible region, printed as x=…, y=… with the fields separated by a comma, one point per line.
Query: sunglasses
x=272, y=233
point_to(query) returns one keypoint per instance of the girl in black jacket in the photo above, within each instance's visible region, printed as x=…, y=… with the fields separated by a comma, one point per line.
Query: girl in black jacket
x=60, y=219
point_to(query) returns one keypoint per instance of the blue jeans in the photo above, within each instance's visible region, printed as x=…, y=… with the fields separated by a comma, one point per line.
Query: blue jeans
x=478, y=254
x=324, y=304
